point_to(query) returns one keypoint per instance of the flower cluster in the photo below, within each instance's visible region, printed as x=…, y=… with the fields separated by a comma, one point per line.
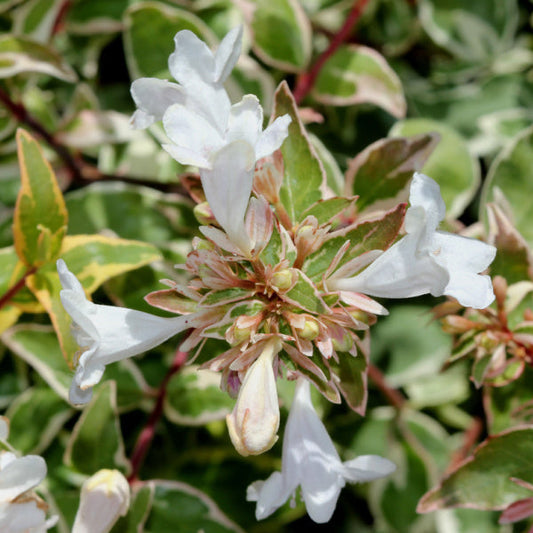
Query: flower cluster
x=290, y=297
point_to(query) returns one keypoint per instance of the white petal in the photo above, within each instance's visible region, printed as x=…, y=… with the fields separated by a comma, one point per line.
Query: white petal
x=4, y=427
x=464, y=258
x=367, y=468
x=227, y=54
x=191, y=60
x=245, y=121
x=20, y=475
x=153, y=96
x=190, y=131
x=270, y=495
x=228, y=186
x=272, y=138
x=23, y=517
x=185, y=156
x=427, y=206
x=77, y=396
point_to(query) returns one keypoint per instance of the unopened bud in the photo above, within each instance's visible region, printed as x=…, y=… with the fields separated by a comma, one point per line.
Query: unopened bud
x=104, y=497
x=253, y=424
x=241, y=334
x=342, y=344
x=283, y=279
x=203, y=214
x=202, y=244
x=487, y=341
x=310, y=330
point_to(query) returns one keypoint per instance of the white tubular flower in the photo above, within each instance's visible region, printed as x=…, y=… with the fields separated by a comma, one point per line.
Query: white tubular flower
x=425, y=260
x=107, y=334
x=310, y=460
x=201, y=76
x=254, y=421
x=104, y=498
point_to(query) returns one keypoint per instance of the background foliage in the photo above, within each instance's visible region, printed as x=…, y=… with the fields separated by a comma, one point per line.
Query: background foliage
x=456, y=75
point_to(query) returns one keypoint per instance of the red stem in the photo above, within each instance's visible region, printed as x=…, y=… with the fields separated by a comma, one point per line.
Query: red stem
x=4, y=300
x=147, y=434
x=306, y=81
x=393, y=396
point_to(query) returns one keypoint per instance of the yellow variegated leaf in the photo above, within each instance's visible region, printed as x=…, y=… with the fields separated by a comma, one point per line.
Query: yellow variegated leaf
x=40, y=220
x=93, y=259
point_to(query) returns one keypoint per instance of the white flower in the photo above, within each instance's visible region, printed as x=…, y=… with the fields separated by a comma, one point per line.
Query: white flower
x=253, y=424
x=21, y=511
x=107, y=334
x=425, y=260
x=201, y=76
x=310, y=460
x=104, y=497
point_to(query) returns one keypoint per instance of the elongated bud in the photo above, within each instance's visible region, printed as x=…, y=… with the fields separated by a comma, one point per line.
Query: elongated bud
x=104, y=497
x=254, y=421
x=203, y=214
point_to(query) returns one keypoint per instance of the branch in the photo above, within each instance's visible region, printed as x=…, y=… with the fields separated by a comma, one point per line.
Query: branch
x=5, y=299
x=393, y=396
x=146, y=436
x=306, y=81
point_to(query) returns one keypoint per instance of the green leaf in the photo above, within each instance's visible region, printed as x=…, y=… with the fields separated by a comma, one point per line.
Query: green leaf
x=327, y=210
x=96, y=440
x=450, y=164
x=93, y=259
x=131, y=211
x=278, y=248
x=334, y=176
x=39, y=347
x=510, y=176
x=304, y=173
x=474, y=31
x=194, y=398
x=484, y=480
x=305, y=295
x=40, y=214
x=353, y=382
x=282, y=34
x=20, y=55
x=36, y=19
x=380, y=173
x=138, y=511
x=357, y=74
x=225, y=296
x=95, y=17
x=180, y=507
x=512, y=259
x=149, y=36
x=35, y=419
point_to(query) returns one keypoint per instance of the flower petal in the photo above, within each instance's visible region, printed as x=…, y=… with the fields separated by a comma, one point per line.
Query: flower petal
x=191, y=60
x=270, y=495
x=272, y=138
x=191, y=132
x=245, y=120
x=367, y=468
x=20, y=475
x=228, y=186
x=152, y=97
x=227, y=54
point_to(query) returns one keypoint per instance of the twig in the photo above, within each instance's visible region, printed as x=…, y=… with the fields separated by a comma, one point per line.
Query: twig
x=146, y=436
x=5, y=299
x=471, y=436
x=392, y=395
x=306, y=81
x=21, y=114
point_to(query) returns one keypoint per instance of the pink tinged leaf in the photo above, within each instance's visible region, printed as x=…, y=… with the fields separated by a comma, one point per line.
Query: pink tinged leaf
x=272, y=138
x=259, y=223
x=363, y=302
x=152, y=97
x=227, y=54
x=228, y=186
x=517, y=511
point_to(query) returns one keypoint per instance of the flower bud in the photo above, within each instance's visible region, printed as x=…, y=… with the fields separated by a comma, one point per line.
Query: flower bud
x=343, y=343
x=203, y=214
x=254, y=421
x=283, y=279
x=310, y=330
x=104, y=497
